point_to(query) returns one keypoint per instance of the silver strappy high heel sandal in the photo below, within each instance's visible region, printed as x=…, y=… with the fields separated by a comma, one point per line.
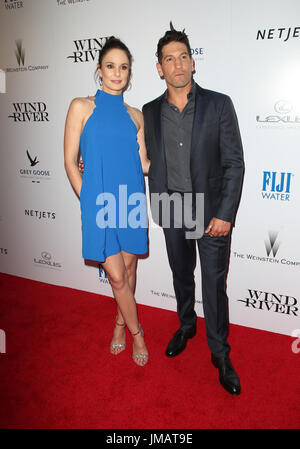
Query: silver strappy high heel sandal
x=120, y=346
x=137, y=357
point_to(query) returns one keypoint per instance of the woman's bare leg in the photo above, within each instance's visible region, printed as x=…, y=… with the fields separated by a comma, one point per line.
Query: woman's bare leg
x=130, y=261
x=118, y=276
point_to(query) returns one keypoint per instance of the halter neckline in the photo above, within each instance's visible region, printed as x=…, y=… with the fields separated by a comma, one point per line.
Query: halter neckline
x=113, y=98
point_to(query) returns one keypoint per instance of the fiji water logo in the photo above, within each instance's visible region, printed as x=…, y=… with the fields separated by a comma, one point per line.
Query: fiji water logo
x=276, y=185
x=102, y=275
x=12, y=4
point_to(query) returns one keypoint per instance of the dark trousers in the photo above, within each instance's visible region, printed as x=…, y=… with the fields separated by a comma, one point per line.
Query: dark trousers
x=213, y=252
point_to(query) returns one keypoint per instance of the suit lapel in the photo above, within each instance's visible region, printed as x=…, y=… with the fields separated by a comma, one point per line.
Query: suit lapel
x=158, y=128
x=198, y=117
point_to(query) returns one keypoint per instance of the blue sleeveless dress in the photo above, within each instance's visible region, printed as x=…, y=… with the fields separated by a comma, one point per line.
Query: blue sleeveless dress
x=112, y=197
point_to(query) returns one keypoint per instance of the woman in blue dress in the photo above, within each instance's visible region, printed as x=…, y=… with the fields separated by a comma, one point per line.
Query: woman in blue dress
x=109, y=134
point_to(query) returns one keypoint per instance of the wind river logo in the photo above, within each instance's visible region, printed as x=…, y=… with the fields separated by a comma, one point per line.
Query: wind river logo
x=267, y=301
x=30, y=112
x=20, y=57
x=276, y=185
x=35, y=175
x=87, y=49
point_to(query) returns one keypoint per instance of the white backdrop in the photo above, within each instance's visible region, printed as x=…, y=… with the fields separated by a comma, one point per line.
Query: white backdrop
x=246, y=49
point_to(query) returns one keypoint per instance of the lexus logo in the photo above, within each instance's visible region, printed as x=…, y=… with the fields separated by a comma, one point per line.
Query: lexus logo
x=283, y=107
x=45, y=255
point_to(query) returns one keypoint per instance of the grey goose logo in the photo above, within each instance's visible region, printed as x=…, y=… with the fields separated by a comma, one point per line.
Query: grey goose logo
x=33, y=174
x=34, y=161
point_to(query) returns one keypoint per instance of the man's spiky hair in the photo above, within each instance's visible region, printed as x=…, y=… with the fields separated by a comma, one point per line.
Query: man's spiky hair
x=172, y=35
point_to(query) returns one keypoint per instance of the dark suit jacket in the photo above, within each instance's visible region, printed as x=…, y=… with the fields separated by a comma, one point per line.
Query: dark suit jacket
x=216, y=161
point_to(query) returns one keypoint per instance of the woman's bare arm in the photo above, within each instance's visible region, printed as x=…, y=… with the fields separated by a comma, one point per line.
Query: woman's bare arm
x=73, y=128
x=141, y=141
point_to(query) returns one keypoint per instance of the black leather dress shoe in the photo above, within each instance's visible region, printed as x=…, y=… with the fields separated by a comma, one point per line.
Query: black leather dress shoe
x=227, y=376
x=178, y=342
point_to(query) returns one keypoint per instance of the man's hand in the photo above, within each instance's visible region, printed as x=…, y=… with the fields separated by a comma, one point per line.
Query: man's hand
x=81, y=166
x=218, y=228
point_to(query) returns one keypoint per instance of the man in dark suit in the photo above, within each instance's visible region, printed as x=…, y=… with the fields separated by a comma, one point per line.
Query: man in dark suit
x=194, y=145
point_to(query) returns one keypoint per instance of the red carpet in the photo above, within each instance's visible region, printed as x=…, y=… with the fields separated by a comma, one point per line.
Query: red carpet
x=57, y=371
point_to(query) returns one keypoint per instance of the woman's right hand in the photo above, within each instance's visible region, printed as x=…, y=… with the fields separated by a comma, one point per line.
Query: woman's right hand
x=81, y=166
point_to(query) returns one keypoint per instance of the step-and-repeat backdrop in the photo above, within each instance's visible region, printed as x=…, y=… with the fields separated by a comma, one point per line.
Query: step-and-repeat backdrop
x=246, y=49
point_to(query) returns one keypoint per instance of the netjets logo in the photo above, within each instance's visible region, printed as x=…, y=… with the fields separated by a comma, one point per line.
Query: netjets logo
x=87, y=49
x=272, y=245
x=40, y=214
x=283, y=34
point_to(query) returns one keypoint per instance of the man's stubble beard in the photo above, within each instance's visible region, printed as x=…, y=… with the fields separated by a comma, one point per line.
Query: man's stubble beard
x=179, y=84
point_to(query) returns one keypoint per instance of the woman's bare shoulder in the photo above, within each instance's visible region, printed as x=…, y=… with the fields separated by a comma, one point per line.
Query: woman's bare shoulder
x=80, y=107
x=82, y=102
x=136, y=114
x=134, y=110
